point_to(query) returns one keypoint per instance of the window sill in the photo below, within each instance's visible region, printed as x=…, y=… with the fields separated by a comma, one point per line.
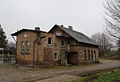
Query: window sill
x=25, y=53
x=28, y=53
x=22, y=53
x=49, y=44
x=62, y=46
x=55, y=59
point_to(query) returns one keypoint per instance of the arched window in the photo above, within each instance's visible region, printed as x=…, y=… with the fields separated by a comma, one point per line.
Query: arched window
x=22, y=47
x=88, y=54
x=95, y=53
x=92, y=54
x=85, y=54
x=27, y=47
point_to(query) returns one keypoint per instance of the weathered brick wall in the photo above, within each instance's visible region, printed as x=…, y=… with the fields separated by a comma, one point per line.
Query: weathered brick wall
x=23, y=37
x=80, y=51
x=44, y=53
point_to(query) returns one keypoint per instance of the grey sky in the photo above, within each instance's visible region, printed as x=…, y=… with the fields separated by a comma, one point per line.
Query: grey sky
x=84, y=15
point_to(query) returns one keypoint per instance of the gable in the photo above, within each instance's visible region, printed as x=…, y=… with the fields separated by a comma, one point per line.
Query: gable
x=59, y=32
x=80, y=37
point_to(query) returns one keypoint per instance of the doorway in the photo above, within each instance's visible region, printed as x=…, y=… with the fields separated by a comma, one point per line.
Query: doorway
x=72, y=58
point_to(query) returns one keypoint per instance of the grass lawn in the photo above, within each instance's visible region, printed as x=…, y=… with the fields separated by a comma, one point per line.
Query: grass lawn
x=113, y=76
x=105, y=76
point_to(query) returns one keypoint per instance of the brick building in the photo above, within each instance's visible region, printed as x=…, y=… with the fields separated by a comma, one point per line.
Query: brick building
x=59, y=46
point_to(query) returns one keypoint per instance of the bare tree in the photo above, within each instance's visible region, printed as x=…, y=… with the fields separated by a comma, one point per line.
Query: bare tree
x=113, y=18
x=103, y=41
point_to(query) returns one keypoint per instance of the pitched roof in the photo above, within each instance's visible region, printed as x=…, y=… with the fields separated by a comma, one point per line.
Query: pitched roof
x=23, y=30
x=80, y=37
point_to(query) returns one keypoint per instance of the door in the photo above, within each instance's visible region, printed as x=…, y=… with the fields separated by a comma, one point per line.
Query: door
x=72, y=58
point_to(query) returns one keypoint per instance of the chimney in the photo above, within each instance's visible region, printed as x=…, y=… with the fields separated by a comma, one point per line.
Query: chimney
x=37, y=28
x=70, y=27
x=62, y=25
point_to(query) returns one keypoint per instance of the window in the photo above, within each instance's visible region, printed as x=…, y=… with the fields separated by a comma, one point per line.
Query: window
x=92, y=54
x=55, y=56
x=85, y=54
x=22, y=47
x=88, y=55
x=58, y=34
x=62, y=43
x=49, y=40
x=27, y=47
x=0, y=51
x=95, y=54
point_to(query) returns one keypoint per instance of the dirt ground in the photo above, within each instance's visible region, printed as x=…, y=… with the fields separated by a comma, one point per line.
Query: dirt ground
x=13, y=73
x=61, y=78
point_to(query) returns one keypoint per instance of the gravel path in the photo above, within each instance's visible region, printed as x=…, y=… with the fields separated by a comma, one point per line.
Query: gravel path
x=13, y=74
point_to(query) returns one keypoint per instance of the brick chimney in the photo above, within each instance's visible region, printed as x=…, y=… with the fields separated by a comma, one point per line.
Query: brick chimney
x=62, y=25
x=37, y=28
x=70, y=27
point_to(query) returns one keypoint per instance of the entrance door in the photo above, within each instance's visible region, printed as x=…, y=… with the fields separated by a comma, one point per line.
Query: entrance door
x=72, y=58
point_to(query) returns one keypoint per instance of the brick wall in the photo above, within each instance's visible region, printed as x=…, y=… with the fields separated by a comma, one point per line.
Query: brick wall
x=44, y=53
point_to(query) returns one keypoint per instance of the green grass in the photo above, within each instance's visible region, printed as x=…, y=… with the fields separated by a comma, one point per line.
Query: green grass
x=113, y=76
x=86, y=78
x=105, y=76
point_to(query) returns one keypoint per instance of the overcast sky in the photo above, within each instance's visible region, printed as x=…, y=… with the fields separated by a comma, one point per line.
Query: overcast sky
x=84, y=15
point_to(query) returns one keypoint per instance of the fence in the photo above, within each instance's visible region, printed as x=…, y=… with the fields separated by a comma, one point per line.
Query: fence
x=6, y=57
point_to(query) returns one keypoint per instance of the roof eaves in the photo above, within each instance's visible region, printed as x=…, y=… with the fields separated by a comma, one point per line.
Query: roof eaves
x=22, y=30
